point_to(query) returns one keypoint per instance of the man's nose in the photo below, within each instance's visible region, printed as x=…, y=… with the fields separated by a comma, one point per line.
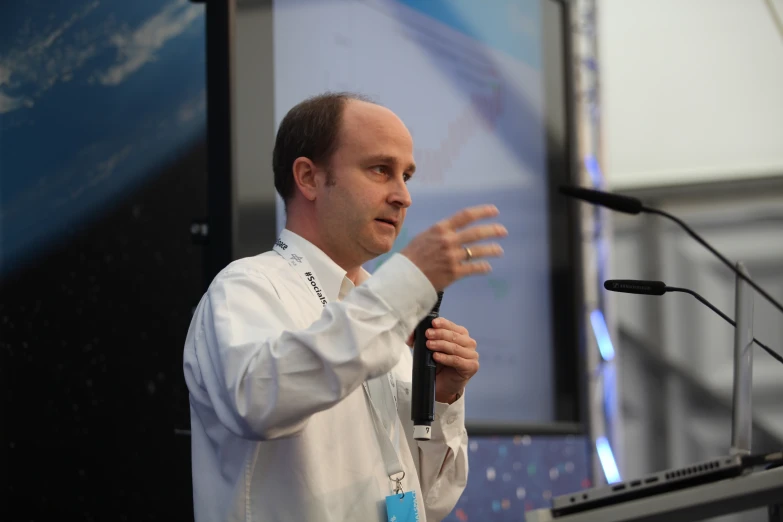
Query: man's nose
x=400, y=196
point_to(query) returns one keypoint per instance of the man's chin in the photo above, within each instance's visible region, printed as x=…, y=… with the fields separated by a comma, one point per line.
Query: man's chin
x=379, y=248
x=383, y=251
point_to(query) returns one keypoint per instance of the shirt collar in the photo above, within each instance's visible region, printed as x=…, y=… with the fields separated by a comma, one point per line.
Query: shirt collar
x=331, y=276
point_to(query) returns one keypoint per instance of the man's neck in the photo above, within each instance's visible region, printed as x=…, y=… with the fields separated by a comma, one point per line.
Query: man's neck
x=353, y=274
x=313, y=236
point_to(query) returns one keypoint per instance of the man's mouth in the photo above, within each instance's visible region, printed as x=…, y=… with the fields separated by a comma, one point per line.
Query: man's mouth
x=387, y=221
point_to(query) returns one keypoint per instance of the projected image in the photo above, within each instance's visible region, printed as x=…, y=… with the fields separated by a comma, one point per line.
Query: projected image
x=467, y=81
x=509, y=476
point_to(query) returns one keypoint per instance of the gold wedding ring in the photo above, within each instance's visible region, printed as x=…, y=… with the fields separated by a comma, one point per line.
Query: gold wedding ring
x=468, y=253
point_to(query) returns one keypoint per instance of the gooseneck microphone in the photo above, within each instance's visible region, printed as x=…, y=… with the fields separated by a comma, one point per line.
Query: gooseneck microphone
x=618, y=202
x=633, y=286
x=631, y=205
x=423, y=399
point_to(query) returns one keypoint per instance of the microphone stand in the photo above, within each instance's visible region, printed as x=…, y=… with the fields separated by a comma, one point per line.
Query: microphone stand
x=739, y=274
x=742, y=396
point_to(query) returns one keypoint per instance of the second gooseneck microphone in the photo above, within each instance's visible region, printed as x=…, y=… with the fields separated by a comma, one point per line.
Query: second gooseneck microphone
x=638, y=286
x=423, y=400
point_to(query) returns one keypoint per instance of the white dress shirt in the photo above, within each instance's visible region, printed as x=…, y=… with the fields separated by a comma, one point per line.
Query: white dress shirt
x=281, y=426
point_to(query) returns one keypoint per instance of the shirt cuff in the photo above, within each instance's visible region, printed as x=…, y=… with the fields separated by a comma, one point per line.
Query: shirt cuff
x=405, y=288
x=449, y=422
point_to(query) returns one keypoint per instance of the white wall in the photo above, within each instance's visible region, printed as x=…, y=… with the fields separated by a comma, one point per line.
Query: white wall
x=691, y=90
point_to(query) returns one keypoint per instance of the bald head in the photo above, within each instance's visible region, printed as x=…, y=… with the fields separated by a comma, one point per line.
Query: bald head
x=367, y=130
x=310, y=130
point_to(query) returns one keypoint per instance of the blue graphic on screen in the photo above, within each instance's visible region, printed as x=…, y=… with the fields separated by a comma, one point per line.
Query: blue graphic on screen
x=506, y=25
x=88, y=109
x=511, y=475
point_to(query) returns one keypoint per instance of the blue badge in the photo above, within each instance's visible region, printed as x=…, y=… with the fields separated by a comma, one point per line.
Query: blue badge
x=401, y=508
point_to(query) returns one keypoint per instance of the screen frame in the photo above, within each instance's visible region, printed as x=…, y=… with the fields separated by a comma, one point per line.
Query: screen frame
x=566, y=275
x=242, y=198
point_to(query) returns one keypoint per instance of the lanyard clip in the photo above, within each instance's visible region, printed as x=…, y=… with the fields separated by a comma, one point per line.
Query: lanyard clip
x=398, y=484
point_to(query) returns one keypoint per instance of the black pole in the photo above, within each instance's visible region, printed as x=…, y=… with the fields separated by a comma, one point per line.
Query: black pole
x=220, y=182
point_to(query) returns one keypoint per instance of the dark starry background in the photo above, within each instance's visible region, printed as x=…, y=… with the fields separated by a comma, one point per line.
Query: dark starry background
x=92, y=361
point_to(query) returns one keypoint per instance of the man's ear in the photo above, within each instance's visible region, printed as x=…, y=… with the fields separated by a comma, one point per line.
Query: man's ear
x=305, y=177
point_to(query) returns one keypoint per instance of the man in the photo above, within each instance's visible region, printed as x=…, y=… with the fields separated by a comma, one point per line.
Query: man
x=296, y=359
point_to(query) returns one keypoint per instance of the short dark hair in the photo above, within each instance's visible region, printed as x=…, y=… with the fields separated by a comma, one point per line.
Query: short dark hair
x=310, y=129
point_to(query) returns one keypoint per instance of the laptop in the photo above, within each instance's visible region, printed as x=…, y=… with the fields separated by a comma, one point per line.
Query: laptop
x=656, y=483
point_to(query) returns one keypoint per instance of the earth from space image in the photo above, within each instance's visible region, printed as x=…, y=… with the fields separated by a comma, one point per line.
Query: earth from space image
x=93, y=95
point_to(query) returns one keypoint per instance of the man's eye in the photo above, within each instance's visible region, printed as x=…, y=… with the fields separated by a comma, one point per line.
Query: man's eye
x=406, y=177
x=380, y=169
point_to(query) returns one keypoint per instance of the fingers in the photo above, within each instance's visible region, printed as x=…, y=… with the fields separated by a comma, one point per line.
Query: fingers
x=440, y=252
x=470, y=267
x=493, y=250
x=469, y=215
x=442, y=322
x=473, y=268
x=480, y=232
x=451, y=342
x=449, y=348
x=462, y=365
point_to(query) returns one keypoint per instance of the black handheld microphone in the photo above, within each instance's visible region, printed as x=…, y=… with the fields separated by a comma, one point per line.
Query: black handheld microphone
x=633, y=286
x=630, y=205
x=423, y=400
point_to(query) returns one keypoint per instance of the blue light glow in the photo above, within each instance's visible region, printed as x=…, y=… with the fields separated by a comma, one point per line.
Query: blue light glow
x=609, y=372
x=602, y=335
x=594, y=169
x=608, y=463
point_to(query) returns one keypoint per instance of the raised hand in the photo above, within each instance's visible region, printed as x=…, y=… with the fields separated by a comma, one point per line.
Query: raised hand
x=445, y=252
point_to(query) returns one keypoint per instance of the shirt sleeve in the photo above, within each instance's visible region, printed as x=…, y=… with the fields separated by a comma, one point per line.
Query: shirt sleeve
x=443, y=460
x=264, y=379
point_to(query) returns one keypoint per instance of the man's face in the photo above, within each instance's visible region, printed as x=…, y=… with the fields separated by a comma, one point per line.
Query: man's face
x=364, y=206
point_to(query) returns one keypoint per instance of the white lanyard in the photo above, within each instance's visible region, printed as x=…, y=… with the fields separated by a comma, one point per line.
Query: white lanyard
x=394, y=470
